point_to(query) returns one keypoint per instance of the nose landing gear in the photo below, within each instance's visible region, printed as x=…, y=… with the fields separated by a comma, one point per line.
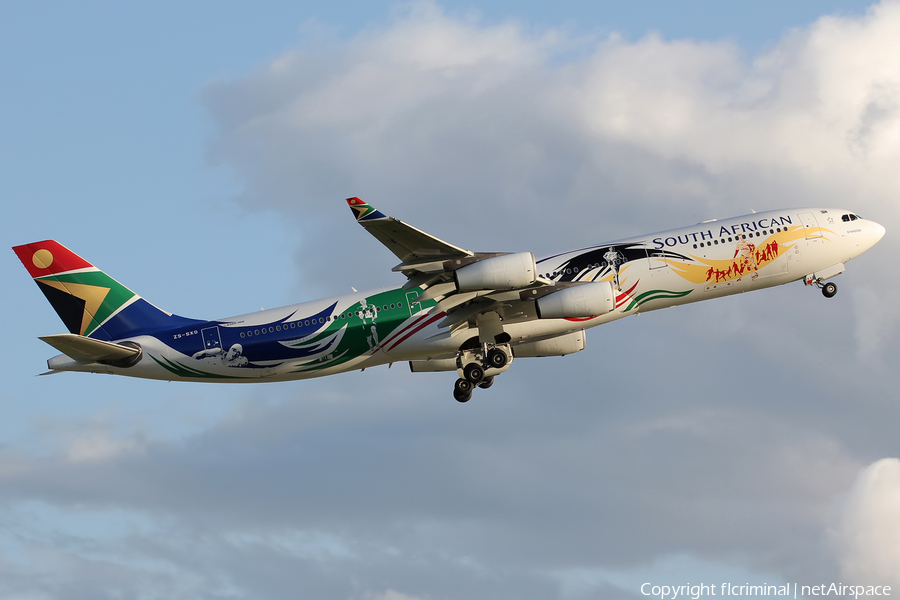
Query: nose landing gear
x=479, y=367
x=818, y=279
x=829, y=289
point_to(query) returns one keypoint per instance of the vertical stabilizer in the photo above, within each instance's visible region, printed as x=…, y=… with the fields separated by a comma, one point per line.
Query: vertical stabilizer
x=90, y=302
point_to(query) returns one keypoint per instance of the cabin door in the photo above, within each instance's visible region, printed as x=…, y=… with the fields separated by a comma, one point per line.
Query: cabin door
x=657, y=258
x=413, y=308
x=810, y=225
x=211, y=339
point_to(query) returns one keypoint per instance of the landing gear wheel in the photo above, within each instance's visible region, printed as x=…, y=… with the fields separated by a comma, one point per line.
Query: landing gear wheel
x=474, y=373
x=486, y=382
x=462, y=390
x=497, y=358
x=829, y=289
x=460, y=397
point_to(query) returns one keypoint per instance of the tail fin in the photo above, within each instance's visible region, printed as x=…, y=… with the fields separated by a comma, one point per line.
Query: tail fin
x=90, y=302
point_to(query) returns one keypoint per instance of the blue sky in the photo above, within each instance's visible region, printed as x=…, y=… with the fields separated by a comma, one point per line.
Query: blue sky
x=165, y=144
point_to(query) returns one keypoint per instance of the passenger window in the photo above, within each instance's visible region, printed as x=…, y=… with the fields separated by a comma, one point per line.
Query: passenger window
x=242, y=334
x=256, y=332
x=271, y=330
x=695, y=245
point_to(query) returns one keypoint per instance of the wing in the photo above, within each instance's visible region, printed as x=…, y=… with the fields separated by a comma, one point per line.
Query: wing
x=451, y=276
x=409, y=244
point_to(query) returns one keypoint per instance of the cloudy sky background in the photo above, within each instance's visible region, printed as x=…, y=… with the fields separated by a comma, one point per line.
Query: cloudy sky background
x=201, y=155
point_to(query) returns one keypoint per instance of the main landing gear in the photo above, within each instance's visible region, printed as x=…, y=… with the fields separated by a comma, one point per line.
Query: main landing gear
x=478, y=368
x=462, y=390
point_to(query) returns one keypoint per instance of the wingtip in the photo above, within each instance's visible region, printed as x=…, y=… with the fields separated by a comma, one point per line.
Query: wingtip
x=362, y=210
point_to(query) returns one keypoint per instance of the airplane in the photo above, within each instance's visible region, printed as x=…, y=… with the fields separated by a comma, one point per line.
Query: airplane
x=470, y=312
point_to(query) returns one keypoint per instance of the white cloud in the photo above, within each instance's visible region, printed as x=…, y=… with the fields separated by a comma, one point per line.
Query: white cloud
x=823, y=103
x=867, y=536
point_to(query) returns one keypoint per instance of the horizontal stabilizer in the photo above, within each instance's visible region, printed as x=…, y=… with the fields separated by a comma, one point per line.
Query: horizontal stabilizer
x=85, y=349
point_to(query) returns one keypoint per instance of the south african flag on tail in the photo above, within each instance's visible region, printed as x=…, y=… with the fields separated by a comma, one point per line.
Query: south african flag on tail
x=90, y=302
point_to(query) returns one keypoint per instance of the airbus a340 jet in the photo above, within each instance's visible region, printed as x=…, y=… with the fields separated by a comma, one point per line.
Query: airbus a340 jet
x=470, y=312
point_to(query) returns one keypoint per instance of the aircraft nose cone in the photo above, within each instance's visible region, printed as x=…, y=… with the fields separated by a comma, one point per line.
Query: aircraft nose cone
x=878, y=231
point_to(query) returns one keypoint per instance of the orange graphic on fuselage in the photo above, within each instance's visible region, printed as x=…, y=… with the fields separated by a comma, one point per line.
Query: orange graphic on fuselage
x=748, y=259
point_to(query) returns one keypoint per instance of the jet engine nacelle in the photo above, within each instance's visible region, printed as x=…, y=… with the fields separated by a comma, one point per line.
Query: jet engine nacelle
x=579, y=301
x=506, y=272
x=555, y=346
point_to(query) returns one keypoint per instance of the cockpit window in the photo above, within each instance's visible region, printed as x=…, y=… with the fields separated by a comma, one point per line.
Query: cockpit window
x=845, y=218
x=854, y=217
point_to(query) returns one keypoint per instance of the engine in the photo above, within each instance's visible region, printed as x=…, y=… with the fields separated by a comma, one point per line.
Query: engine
x=555, y=346
x=579, y=301
x=506, y=272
